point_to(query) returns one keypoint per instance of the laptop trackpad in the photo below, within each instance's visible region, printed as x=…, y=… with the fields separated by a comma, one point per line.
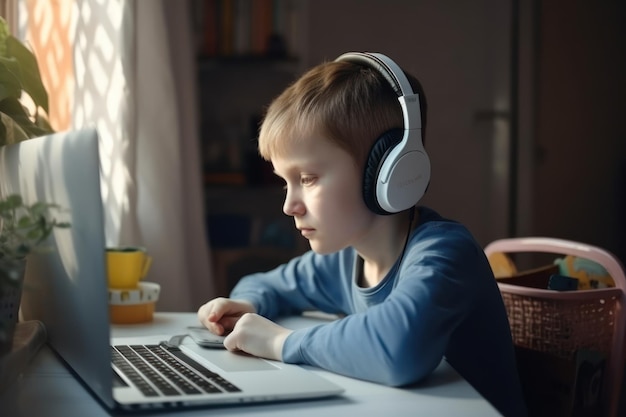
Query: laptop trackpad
x=228, y=361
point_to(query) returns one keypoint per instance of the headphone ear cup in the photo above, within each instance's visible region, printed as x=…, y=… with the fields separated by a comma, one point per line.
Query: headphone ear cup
x=381, y=148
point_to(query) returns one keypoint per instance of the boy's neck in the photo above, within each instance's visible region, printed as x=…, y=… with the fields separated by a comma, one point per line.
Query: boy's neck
x=390, y=240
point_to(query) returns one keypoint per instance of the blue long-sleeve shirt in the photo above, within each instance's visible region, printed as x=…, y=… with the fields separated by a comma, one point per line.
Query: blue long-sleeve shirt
x=439, y=300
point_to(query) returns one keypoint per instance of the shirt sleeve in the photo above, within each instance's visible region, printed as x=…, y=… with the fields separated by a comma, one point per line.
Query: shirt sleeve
x=307, y=282
x=402, y=339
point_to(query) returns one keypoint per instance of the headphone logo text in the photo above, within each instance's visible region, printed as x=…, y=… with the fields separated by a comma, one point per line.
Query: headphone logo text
x=409, y=182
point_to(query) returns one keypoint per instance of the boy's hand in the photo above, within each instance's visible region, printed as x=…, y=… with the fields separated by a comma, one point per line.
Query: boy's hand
x=221, y=314
x=257, y=336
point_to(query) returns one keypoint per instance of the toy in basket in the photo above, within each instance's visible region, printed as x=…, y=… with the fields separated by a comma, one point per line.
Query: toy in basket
x=590, y=274
x=569, y=344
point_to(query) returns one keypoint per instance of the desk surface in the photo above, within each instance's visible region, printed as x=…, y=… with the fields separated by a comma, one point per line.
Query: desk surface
x=47, y=388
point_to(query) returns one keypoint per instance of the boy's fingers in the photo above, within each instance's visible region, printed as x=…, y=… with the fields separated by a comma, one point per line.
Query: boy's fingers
x=224, y=325
x=211, y=309
x=221, y=307
x=220, y=315
x=215, y=328
x=230, y=344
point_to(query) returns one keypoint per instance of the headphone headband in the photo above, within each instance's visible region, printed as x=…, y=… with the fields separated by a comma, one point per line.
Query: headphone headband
x=385, y=66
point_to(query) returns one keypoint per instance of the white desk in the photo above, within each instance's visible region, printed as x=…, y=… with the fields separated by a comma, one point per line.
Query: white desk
x=47, y=388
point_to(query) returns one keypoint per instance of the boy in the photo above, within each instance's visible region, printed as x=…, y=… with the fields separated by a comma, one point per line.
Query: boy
x=412, y=287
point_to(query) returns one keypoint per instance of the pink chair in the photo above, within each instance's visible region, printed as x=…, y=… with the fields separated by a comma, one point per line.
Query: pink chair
x=561, y=322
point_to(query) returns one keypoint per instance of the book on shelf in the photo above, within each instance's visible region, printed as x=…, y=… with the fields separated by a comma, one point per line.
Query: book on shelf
x=224, y=178
x=236, y=28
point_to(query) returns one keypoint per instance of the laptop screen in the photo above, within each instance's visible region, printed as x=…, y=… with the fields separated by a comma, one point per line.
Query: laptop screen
x=65, y=285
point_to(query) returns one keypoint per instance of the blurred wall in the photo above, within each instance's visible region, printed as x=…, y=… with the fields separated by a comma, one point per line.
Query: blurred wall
x=571, y=176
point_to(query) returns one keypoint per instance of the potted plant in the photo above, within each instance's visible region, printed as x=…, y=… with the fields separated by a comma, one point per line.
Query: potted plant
x=24, y=228
x=19, y=74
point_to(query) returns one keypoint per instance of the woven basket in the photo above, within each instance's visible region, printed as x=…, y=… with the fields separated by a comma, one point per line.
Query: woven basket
x=563, y=326
x=553, y=327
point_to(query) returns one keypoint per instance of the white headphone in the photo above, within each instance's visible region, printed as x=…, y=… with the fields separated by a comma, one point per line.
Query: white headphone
x=397, y=172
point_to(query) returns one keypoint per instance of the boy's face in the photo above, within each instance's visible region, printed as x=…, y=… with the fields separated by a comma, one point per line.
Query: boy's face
x=323, y=194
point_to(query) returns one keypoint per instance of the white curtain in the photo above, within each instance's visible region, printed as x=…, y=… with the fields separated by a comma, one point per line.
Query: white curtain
x=168, y=172
x=132, y=75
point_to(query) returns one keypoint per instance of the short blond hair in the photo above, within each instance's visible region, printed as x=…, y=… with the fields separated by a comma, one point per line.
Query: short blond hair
x=348, y=103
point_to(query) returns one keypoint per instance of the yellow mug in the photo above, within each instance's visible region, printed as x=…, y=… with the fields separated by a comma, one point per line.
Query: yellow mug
x=126, y=266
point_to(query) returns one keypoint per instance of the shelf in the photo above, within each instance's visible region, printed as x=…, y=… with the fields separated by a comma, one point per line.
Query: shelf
x=248, y=232
x=248, y=30
x=259, y=201
x=245, y=60
x=247, y=52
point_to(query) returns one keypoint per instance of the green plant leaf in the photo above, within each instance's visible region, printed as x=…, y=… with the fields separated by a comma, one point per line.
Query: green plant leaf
x=10, y=130
x=29, y=75
x=13, y=201
x=10, y=85
x=35, y=234
x=41, y=208
x=3, y=129
x=24, y=222
x=42, y=122
x=19, y=74
x=14, y=109
x=24, y=228
x=4, y=34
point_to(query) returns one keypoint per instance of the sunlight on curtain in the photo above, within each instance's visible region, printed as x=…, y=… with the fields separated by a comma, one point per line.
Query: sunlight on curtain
x=79, y=45
x=118, y=65
x=102, y=98
x=47, y=30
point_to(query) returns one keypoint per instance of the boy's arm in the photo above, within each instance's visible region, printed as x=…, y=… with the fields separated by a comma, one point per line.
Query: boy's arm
x=402, y=339
x=308, y=282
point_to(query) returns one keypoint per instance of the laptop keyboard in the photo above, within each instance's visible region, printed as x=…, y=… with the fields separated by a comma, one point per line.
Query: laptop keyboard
x=164, y=370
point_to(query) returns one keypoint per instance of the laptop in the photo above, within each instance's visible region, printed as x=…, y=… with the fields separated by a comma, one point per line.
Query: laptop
x=66, y=289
